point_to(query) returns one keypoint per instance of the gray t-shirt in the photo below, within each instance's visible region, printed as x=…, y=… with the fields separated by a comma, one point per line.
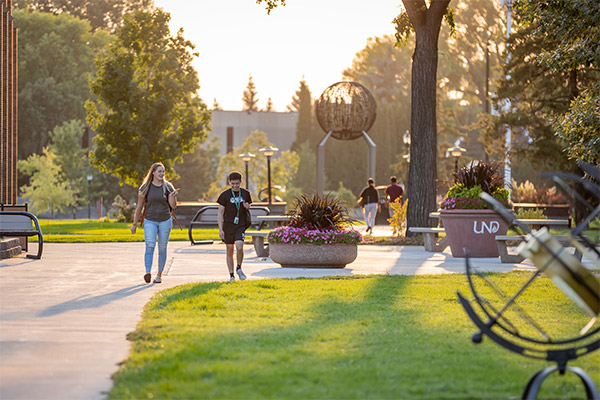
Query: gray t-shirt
x=157, y=205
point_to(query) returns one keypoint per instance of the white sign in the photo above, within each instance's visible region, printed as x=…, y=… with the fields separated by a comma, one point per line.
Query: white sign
x=493, y=227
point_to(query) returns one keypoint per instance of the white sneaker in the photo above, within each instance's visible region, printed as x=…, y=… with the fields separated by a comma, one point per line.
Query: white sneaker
x=241, y=274
x=231, y=278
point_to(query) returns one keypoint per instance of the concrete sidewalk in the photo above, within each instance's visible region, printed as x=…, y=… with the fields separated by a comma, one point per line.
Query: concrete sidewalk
x=64, y=319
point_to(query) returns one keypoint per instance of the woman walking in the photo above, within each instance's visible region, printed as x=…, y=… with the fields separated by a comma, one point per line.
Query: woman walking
x=159, y=197
x=371, y=204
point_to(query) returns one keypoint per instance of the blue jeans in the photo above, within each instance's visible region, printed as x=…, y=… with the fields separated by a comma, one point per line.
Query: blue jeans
x=152, y=230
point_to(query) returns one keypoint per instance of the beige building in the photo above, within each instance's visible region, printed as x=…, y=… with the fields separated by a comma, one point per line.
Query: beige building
x=233, y=127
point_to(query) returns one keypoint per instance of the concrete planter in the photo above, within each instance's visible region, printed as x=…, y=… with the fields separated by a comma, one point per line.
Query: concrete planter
x=473, y=232
x=313, y=256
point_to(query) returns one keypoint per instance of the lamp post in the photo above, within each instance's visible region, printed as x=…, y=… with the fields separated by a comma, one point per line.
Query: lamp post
x=247, y=157
x=89, y=179
x=406, y=140
x=268, y=152
x=456, y=152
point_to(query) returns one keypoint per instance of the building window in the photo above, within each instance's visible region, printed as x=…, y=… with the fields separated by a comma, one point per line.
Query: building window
x=230, y=139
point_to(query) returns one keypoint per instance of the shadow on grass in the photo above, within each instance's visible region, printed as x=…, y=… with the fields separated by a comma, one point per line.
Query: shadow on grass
x=378, y=340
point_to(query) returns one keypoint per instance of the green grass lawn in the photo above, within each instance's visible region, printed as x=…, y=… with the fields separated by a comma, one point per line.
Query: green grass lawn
x=91, y=231
x=378, y=337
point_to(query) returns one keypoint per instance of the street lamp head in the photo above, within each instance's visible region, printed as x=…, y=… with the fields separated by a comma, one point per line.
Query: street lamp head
x=406, y=138
x=90, y=177
x=269, y=151
x=456, y=151
x=246, y=156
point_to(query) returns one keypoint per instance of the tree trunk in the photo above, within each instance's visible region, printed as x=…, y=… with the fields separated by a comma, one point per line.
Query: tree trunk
x=423, y=147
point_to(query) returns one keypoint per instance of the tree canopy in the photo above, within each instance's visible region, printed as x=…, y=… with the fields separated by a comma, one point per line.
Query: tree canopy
x=553, y=84
x=101, y=14
x=147, y=109
x=56, y=55
x=572, y=28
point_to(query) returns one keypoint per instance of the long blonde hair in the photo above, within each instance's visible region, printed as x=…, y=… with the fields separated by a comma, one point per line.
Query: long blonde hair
x=150, y=176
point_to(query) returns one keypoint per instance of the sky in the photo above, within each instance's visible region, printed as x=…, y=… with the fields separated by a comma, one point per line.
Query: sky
x=314, y=39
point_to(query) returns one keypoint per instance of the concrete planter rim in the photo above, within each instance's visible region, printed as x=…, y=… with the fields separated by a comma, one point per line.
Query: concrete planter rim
x=307, y=255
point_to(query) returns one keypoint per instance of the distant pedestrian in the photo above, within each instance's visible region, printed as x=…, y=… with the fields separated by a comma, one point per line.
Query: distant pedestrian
x=158, y=197
x=393, y=191
x=233, y=206
x=371, y=204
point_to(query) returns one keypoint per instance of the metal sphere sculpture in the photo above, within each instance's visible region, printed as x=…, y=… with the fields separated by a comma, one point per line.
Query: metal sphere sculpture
x=346, y=109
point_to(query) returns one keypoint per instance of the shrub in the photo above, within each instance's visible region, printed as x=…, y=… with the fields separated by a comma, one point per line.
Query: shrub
x=526, y=192
x=530, y=213
x=122, y=211
x=471, y=182
x=316, y=220
x=398, y=221
x=319, y=212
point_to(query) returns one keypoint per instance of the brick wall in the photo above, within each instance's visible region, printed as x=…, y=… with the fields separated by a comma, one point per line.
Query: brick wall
x=8, y=104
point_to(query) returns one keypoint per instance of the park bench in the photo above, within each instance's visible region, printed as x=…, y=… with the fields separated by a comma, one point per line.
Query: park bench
x=207, y=216
x=431, y=238
x=21, y=224
x=258, y=240
x=504, y=242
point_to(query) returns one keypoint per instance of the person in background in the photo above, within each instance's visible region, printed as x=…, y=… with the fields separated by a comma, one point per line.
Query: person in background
x=233, y=206
x=159, y=197
x=371, y=204
x=393, y=191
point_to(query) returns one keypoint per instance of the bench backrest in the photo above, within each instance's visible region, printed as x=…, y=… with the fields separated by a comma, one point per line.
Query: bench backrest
x=210, y=213
x=13, y=207
x=15, y=223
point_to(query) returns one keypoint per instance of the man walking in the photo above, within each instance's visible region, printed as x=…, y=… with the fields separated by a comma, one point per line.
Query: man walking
x=393, y=191
x=234, y=204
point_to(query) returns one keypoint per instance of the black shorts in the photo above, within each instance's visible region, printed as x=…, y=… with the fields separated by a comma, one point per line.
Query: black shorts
x=233, y=233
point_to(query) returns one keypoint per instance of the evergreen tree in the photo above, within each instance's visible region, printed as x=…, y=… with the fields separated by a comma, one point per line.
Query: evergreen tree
x=269, y=106
x=306, y=131
x=216, y=105
x=249, y=97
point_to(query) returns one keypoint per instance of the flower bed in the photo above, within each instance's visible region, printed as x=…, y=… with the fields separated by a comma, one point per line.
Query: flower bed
x=467, y=203
x=291, y=235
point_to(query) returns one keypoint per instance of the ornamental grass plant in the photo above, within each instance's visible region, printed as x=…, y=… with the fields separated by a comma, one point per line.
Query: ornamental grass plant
x=471, y=181
x=317, y=220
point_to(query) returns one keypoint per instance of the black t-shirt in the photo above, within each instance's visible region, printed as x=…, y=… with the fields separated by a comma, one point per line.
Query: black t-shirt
x=370, y=195
x=227, y=200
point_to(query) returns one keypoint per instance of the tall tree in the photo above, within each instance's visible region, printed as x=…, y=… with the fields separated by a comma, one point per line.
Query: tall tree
x=101, y=14
x=56, y=55
x=216, y=105
x=302, y=103
x=574, y=29
x=46, y=191
x=425, y=21
x=249, y=97
x=269, y=106
x=538, y=94
x=71, y=158
x=147, y=109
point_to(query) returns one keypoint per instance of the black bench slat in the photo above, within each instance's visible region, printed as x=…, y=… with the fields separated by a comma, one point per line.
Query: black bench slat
x=21, y=224
x=208, y=216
